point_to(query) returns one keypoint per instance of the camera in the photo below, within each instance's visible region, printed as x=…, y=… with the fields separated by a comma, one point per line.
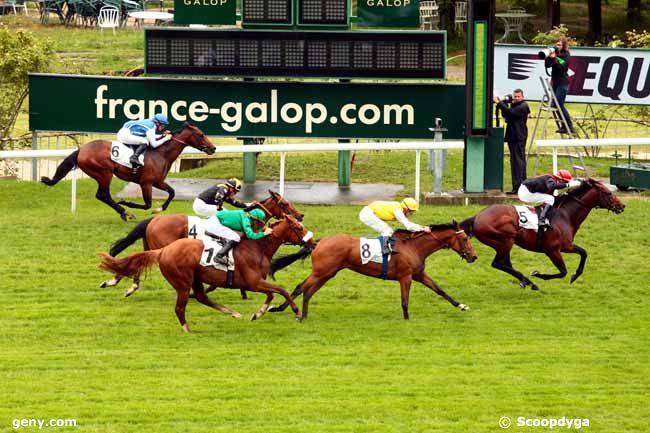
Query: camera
x=506, y=98
x=547, y=52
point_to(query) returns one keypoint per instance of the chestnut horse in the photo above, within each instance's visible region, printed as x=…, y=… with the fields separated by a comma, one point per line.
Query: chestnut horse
x=162, y=230
x=497, y=226
x=338, y=252
x=94, y=159
x=179, y=263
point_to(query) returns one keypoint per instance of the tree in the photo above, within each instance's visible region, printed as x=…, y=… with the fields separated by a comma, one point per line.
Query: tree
x=595, y=20
x=20, y=52
x=633, y=10
x=552, y=14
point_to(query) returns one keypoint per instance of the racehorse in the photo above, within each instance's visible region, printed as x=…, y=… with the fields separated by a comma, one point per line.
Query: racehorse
x=179, y=263
x=162, y=230
x=94, y=159
x=338, y=252
x=498, y=226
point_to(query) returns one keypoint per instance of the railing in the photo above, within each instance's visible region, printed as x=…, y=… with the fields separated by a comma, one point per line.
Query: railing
x=282, y=149
x=593, y=142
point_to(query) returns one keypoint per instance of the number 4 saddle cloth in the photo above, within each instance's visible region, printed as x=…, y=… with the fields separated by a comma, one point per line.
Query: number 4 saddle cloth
x=527, y=217
x=370, y=250
x=121, y=154
x=210, y=248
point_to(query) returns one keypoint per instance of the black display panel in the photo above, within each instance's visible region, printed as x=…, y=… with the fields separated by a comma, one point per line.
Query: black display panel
x=323, y=12
x=296, y=53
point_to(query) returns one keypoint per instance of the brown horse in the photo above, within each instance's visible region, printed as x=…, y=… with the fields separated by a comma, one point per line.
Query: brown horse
x=338, y=252
x=94, y=159
x=162, y=230
x=180, y=264
x=497, y=226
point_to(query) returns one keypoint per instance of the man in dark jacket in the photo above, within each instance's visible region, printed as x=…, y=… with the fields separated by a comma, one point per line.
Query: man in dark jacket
x=516, y=116
x=558, y=61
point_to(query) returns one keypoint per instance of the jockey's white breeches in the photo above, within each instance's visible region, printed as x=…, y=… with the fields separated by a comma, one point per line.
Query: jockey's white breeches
x=534, y=197
x=368, y=217
x=213, y=227
x=125, y=136
x=203, y=209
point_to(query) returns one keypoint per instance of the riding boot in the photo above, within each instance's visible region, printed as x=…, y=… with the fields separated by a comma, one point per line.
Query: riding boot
x=387, y=245
x=136, y=154
x=222, y=255
x=544, y=215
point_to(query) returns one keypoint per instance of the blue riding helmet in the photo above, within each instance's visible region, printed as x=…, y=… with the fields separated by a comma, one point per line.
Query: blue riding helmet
x=161, y=118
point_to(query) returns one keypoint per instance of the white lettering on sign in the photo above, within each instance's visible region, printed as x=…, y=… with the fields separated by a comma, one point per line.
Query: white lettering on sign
x=388, y=3
x=205, y=2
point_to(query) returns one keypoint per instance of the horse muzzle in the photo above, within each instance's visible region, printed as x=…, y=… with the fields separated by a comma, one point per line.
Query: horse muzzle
x=209, y=150
x=618, y=208
x=470, y=259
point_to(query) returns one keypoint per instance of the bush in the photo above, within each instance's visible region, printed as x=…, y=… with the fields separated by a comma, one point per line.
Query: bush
x=551, y=37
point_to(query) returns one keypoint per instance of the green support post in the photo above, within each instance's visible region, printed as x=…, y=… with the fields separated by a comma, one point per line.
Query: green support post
x=250, y=163
x=474, y=164
x=344, y=168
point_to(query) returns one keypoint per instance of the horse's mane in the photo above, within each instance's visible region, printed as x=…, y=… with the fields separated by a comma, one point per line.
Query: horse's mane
x=402, y=233
x=185, y=125
x=585, y=186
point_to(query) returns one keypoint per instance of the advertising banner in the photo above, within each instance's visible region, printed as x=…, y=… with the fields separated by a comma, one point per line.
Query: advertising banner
x=247, y=109
x=596, y=75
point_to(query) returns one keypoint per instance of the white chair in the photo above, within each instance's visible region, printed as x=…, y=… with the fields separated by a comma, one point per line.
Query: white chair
x=109, y=18
x=428, y=15
x=17, y=4
x=514, y=23
x=460, y=16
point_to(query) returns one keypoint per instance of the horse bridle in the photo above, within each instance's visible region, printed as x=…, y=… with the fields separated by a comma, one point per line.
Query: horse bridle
x=201, y=148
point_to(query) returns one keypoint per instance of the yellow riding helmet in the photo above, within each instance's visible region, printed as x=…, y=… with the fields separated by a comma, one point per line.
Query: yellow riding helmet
x=410, y=203
x=234, y=183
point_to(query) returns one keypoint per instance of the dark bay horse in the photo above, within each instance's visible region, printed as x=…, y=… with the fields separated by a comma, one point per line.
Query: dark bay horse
x=162, y=230
x=338, y=252
x=497, y=226
x=179, y=263
x=94, y=159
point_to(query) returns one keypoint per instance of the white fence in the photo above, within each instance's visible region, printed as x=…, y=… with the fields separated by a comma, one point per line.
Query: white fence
x=282, y=149
x=592, y=142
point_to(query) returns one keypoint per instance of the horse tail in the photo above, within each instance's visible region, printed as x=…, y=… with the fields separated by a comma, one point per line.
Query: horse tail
x=68, y=164
x=137, y=233
x=285, y=261
x=468, y=225
x=130, y=266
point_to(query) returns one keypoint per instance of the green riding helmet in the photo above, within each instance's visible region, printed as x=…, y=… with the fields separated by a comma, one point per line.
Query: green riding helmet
x=257, y=214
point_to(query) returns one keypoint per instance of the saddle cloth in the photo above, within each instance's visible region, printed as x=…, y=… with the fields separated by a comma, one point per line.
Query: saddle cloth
x=210, y=248
x=527, y=217
x=196, y=228
x=121, y=153
x=370, y=250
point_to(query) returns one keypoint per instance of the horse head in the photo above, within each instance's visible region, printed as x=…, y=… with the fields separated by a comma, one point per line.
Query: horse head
x=281, y=207
x=290, y=230
x=604, y=198
x=458, y=241
x=192, y=136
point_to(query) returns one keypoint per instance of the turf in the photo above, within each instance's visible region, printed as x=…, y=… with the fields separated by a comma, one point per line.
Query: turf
x=73, y=350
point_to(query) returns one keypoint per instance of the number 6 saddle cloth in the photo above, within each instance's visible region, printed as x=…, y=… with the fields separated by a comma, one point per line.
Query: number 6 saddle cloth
x=527, y=217
x=370, y=250
x=121, y=154
x=210, y=248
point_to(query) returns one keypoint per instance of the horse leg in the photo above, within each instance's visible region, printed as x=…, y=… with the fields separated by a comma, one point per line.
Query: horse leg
x=268, y=288
x=170, y=196
x=104, y=195
x=556, y=258
x=146, y=196
x=135, y=286
x=502, y=262
x=264, y=308
x=296, y=292
x=182, y=296
x=428, y=281
x=310, y=287
x=583, y=258
x=111, y=283
x=405, y=289
x=200, y=295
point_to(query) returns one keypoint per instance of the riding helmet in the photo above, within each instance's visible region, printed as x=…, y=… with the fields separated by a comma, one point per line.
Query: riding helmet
x=161, y=118
x=565, y=175
x=234, y=183
x=410, y=204
x=257, y=214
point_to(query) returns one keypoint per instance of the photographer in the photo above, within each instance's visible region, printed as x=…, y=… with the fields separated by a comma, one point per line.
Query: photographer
x=515, y=112
x=558, y=61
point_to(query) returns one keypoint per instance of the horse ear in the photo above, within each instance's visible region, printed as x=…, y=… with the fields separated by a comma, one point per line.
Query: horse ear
x=455, y=223
x=273, y=193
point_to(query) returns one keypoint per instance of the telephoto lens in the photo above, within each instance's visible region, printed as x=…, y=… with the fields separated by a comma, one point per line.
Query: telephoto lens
x=546, y=52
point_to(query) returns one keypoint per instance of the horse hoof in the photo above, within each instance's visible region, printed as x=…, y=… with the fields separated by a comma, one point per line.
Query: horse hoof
x=574, y=277
x=130, y=291
x=236, y=315
x=254, y=317
x=103, y=285
x=186, y=329
x=273, y=309
x=299, y=318
x=157, y=210
x=535, y=274
x=463, y=307
x=534, y=287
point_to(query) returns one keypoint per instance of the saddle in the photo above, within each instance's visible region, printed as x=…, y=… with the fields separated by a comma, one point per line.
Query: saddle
x=121, y=154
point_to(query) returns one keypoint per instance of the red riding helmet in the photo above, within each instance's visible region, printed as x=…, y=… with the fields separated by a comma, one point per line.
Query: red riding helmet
x=565, y=175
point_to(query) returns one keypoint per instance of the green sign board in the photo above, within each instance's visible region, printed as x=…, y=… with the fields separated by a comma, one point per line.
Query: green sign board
x=388, y=13
x=479, y=82
x=253, y=109
x=205, y=11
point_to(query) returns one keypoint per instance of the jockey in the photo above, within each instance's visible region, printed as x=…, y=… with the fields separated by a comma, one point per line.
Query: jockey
x=223, y=224
x=377, y=213
x=144, y=132
x=541, y=188
x=211, y=200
